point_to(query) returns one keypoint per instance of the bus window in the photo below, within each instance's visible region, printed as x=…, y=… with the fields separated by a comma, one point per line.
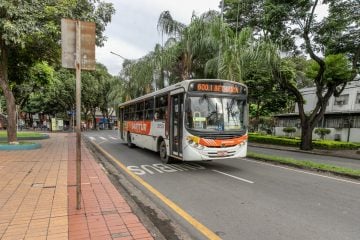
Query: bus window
x=139, y=114
x=161, y=104
x=149, y=109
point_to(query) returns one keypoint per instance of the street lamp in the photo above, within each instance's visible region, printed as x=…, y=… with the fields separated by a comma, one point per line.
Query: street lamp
x=119, y=55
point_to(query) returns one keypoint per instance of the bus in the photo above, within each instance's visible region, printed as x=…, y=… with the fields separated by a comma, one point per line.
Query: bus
x=192, y=120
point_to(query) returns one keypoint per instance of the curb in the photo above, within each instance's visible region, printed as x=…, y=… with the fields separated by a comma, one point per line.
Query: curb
x=19, y=147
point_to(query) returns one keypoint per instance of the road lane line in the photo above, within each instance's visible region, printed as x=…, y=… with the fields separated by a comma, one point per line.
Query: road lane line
x=92, y=138
x=113, y=138
x=102, y=138
x=229, y=175
x=195, y=223
x=300, y=171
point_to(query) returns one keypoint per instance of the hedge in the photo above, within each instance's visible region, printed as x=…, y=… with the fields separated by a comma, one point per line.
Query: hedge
x=295, y=142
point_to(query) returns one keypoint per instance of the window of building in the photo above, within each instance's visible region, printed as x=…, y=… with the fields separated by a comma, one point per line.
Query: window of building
x=357, y=98
x=342, y=100
x=288, y=122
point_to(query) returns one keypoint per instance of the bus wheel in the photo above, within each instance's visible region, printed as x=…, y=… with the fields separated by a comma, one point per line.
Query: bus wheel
x=163, y=153
x=129, y=143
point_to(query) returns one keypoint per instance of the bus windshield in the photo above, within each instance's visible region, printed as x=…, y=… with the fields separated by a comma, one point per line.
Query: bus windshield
x=215, y=113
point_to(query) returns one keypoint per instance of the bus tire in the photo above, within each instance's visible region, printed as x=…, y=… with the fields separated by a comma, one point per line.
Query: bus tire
x=128, y=140
x=163, y=153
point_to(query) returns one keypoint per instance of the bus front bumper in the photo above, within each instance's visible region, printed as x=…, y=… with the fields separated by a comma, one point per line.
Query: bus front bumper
x=191, y=153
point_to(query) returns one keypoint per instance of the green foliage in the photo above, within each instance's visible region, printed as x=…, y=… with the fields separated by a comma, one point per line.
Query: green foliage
x=319, y=144
x=329, y=144
x=3, y=134
x=274, y=140
x=338, y=69
x=289, y=130
x=321, y=132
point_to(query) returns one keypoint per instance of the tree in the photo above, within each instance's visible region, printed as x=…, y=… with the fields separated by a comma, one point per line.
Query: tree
x=321, y=132
x=30, y=33
x=329, y=75
x=284, y=21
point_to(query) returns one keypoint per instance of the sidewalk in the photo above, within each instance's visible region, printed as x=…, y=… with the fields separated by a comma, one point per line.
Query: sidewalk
x=38, y=196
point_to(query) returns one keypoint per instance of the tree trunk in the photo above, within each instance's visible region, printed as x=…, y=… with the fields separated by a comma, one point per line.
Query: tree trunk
x=306, y=136
x=9, y=96
x=257, y=117
x=94, y=120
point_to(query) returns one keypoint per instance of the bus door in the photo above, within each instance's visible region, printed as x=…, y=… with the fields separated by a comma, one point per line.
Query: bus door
x=176, y=124
x=121, y=118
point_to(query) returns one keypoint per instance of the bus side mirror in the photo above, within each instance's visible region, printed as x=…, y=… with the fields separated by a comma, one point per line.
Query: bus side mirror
x=188, y=105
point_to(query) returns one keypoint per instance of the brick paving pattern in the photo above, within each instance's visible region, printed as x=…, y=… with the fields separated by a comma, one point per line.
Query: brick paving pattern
x=38, y=196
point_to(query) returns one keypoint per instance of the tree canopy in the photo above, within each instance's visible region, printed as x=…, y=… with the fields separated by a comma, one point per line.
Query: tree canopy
x=30, y=34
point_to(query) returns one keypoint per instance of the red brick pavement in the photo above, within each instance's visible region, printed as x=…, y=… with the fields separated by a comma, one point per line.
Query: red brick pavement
x=38, y=196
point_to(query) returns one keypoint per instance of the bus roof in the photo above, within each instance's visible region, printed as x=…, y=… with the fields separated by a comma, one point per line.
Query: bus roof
x=184, y=84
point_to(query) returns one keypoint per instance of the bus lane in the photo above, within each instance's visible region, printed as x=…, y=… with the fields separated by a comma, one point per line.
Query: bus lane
x=273, y=202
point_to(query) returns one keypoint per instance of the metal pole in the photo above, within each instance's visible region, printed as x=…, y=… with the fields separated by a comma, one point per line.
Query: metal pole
x=73, y=118
x=78, y=115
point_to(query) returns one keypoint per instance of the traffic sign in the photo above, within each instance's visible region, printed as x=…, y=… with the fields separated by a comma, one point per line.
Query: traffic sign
x=68, y=44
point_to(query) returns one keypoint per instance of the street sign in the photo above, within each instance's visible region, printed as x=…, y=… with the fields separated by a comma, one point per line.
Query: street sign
x=68, y=44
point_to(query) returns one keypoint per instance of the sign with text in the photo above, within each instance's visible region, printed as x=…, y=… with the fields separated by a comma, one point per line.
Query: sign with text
x=216, y=87
x=68, y=44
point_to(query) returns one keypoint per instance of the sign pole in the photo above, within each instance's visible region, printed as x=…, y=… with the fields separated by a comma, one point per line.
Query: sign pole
x=78, y=114
x=78, y=51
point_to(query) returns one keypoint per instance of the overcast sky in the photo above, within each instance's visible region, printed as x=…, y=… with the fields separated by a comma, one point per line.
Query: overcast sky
x=133, y=33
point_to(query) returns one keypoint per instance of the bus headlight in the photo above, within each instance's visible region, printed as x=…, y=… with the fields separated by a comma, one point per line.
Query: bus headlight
x=198, y=146
x=194, y=142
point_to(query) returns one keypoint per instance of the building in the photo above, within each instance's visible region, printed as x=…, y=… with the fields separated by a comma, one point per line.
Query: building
x=342, y=114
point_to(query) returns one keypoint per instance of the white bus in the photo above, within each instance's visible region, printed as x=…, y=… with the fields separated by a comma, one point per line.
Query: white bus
x=192, y=120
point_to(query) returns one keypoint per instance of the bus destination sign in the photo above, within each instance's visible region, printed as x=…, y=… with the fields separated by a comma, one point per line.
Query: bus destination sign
x=217, y=87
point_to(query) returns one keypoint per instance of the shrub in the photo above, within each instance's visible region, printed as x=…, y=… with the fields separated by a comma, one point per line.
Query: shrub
x=321, y=132
x=335, y=145
x=274, y=140
x=289, y=130
x=295, y=142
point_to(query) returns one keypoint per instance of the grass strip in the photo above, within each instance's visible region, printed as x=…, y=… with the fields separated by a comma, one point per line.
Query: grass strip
x=20, y=143
x=354, y=173
x=3, y=134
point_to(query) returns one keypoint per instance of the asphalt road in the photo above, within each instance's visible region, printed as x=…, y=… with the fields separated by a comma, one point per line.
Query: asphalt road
x=247, y=199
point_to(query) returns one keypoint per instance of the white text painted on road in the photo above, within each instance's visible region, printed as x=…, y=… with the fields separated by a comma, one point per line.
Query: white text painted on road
x=238, y=178
x=164, y=168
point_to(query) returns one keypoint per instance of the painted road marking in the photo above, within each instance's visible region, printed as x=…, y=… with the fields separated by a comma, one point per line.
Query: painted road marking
x=92, y=138
x=300, y=171
x=164, y=168
x=113, y=138
x=195, y=223
x=238, y=178
x=102, y=138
